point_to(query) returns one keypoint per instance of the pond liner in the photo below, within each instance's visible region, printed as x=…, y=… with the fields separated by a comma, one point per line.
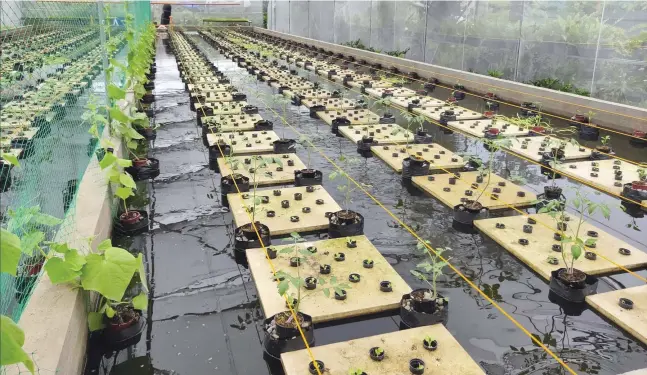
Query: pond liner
x=576, y=294
x=126, y=229
x=307, y=177
x=145, y=172
x=274, y=347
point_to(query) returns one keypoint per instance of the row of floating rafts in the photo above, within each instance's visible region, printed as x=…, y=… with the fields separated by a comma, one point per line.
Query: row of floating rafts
x=578, y=293
x=30, y=114
x=418, y=308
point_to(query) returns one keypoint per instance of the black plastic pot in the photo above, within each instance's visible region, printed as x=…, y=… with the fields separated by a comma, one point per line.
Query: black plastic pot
x=573, y=292
x=287, y=340
x=552, y=192
x=140, y=171
x=263, y=125
x=232, y=183
x=149, y=134
x=465, y=216
x=337, y=122
x=422, y=138
x=415, y=313
x=316, y=108
x=414, y=365
x=117, y=338
x=364, y=144
x=636, y=195
x=245, y=239
x=589, y=133
x=308, y=177
x=413, y=166
x=284, y=146
x=447, y=116
x=218, y=151
x=249, y=109
x=387, y=118
x=131, y=228
x=342, y=227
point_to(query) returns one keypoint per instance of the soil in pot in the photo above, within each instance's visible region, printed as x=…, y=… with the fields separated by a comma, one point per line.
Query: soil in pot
x=232, y=183
x=414, y=166
x=345, y=223
x=131, y=222
x=552, y=192
x=124, y=327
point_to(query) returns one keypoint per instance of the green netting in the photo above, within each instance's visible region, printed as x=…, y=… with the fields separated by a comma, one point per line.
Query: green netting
x=51, y=66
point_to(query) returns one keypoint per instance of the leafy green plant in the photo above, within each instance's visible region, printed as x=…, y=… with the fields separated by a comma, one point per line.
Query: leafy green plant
x=304, y=258
x=397, y=52
x=570, y=230
x=485, y=169
x=346, y=187
x=260, y=162
x=283, y=102
x=356, y=371
x=605, y=140
x=495, y=73
x=433, y=266
x=12, y=338
x=382, y=104
x=412, y=119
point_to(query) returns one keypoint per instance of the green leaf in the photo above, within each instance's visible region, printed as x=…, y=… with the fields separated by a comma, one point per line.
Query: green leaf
x=326, y=292
x=142, y=271
x=59, y=247
x=45, y=219
x=60, y=271
x=105, y=245
x=11, y=159
x=283, y=286
x=124, y=192
x=9, y=252
x=140, y=302
x=12, y=338
x=115, y=92
x=95, y=321
x=576, y=251
x=110, y=312
x=125, y=163
x=590, y=242
x=29, y=241
x=108, y=160
x=117, y=114
x=76, y=260
x=332, y=176
x=127, y=180
x=110, y=273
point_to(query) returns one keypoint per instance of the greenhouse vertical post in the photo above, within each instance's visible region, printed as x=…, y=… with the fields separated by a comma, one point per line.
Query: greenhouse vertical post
x=597, y=47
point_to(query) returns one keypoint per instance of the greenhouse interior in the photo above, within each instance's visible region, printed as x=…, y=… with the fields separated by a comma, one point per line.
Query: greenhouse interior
x=336, y=187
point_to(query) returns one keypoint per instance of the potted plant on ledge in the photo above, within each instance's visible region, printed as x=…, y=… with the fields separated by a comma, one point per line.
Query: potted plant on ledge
x=307, y=176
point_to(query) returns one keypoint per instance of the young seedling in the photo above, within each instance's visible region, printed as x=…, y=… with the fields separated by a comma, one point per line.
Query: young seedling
x=434, y=266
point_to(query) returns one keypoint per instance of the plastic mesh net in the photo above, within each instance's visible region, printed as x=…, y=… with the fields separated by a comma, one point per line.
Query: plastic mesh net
x=52, y=60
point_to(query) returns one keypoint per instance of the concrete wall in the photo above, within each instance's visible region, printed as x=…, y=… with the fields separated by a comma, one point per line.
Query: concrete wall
x=582, y=43
x=608, y=114
x=55, y=320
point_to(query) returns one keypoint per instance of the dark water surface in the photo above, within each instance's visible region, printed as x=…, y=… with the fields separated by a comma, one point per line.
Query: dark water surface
x=204, y=314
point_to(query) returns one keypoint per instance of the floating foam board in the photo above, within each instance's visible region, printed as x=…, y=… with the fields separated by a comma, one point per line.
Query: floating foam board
x=382, y=133
x=331, y=103
x=477, y=127
x=218, y=96
x=541, y=240
x=364, y=297
x=250, y=142
x=293, y=85
x=232, y=123
x=606, y=178
x=281, y=223
x=507, y=197
x=534, y=150
x=222, y=108
x=396, y=92
x=355, y=116
x=271, y=174
x=209, y=87
x=372, y=84
x=424, y=101
x=633, y=321
x=438, y=156
x=200, y=80
x=401, y=346
x=461, y=112
x=359, y=77
x=313, y=93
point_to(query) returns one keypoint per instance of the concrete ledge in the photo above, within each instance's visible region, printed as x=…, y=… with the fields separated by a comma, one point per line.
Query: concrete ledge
x=608, y=114
x=55, y=319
